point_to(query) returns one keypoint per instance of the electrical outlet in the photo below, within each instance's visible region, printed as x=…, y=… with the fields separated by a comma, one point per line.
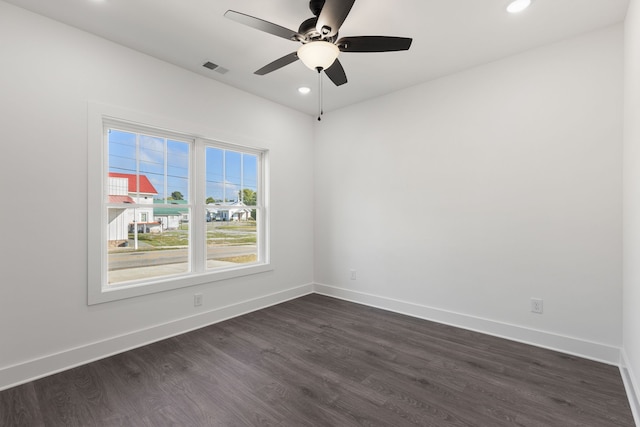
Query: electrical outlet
x=352, y=274
x=536, y=305
x=197, y=300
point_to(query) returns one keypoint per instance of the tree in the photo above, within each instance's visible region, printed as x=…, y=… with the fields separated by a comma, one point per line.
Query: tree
x=176, y=195
x=249, y=197
x=210, y=200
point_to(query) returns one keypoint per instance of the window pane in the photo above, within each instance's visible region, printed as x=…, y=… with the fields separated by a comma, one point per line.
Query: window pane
x=215, y=175
x=178, y=170
x=233, y=176
x=148, y=214
x=149, y=253
x=122, y=151
x=249, y=180
x=151, y=161
x=231, y=242
x=231, y=223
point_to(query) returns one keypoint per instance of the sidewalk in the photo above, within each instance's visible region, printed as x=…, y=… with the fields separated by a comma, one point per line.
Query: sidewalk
x=157, y=271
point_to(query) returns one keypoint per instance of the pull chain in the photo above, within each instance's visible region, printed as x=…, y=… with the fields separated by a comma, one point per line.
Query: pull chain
x=320, y=100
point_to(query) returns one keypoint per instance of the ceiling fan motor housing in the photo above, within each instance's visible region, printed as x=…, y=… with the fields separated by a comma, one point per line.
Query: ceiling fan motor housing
x=310, y=33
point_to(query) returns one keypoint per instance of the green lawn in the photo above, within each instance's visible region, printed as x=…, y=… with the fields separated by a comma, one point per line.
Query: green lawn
x=218, y=234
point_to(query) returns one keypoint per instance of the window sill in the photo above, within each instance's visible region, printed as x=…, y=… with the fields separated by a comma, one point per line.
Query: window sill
x=135, y=289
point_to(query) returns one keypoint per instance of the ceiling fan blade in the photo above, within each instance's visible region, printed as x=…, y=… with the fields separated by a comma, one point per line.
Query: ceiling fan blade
x=277, y=64
x=262, y=25
x=333, y=14
x=374, y=44
x=336, y=73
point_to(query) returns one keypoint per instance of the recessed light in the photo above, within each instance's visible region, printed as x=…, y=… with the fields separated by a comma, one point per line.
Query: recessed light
x=304, y=90
x=517, y=6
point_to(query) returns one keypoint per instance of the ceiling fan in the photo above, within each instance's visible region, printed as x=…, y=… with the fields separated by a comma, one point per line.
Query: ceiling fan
x=319, y=37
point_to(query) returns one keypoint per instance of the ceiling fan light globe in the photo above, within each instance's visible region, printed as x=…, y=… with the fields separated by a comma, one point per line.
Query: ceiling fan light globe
x=318, y=54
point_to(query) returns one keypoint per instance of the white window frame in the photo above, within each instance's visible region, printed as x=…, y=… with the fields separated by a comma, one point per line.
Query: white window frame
x=99, y=291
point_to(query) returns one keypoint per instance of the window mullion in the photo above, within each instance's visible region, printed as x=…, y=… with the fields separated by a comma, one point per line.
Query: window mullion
x=262, y=220
x=166, y=168
x=197, y=201
x=224, y=176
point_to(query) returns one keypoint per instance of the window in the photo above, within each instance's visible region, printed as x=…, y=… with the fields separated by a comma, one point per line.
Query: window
x=172, y=209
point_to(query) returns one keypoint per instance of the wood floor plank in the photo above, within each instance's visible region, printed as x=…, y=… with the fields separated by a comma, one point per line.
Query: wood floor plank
x=19, y=407
x=319, y=361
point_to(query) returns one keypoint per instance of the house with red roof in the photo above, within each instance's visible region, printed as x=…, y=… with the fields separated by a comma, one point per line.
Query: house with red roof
x=126, y=190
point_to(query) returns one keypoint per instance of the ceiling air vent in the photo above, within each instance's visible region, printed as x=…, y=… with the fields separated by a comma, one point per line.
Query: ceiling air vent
x=210, y=65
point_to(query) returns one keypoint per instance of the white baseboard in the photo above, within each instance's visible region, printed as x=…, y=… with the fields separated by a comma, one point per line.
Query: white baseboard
x=21, y=373
x=565, y=344
x=632, y=386
x=24, y=372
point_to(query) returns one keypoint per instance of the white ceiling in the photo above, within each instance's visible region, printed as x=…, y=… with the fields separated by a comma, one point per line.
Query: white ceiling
x=448, y=36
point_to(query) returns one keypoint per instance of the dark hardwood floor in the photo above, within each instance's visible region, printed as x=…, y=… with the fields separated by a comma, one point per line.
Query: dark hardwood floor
x=318, y=361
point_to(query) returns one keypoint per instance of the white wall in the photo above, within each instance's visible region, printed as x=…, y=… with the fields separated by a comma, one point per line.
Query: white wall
x=631, y=290
x=462, y=198
x=49, y=72
x=456, y=200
